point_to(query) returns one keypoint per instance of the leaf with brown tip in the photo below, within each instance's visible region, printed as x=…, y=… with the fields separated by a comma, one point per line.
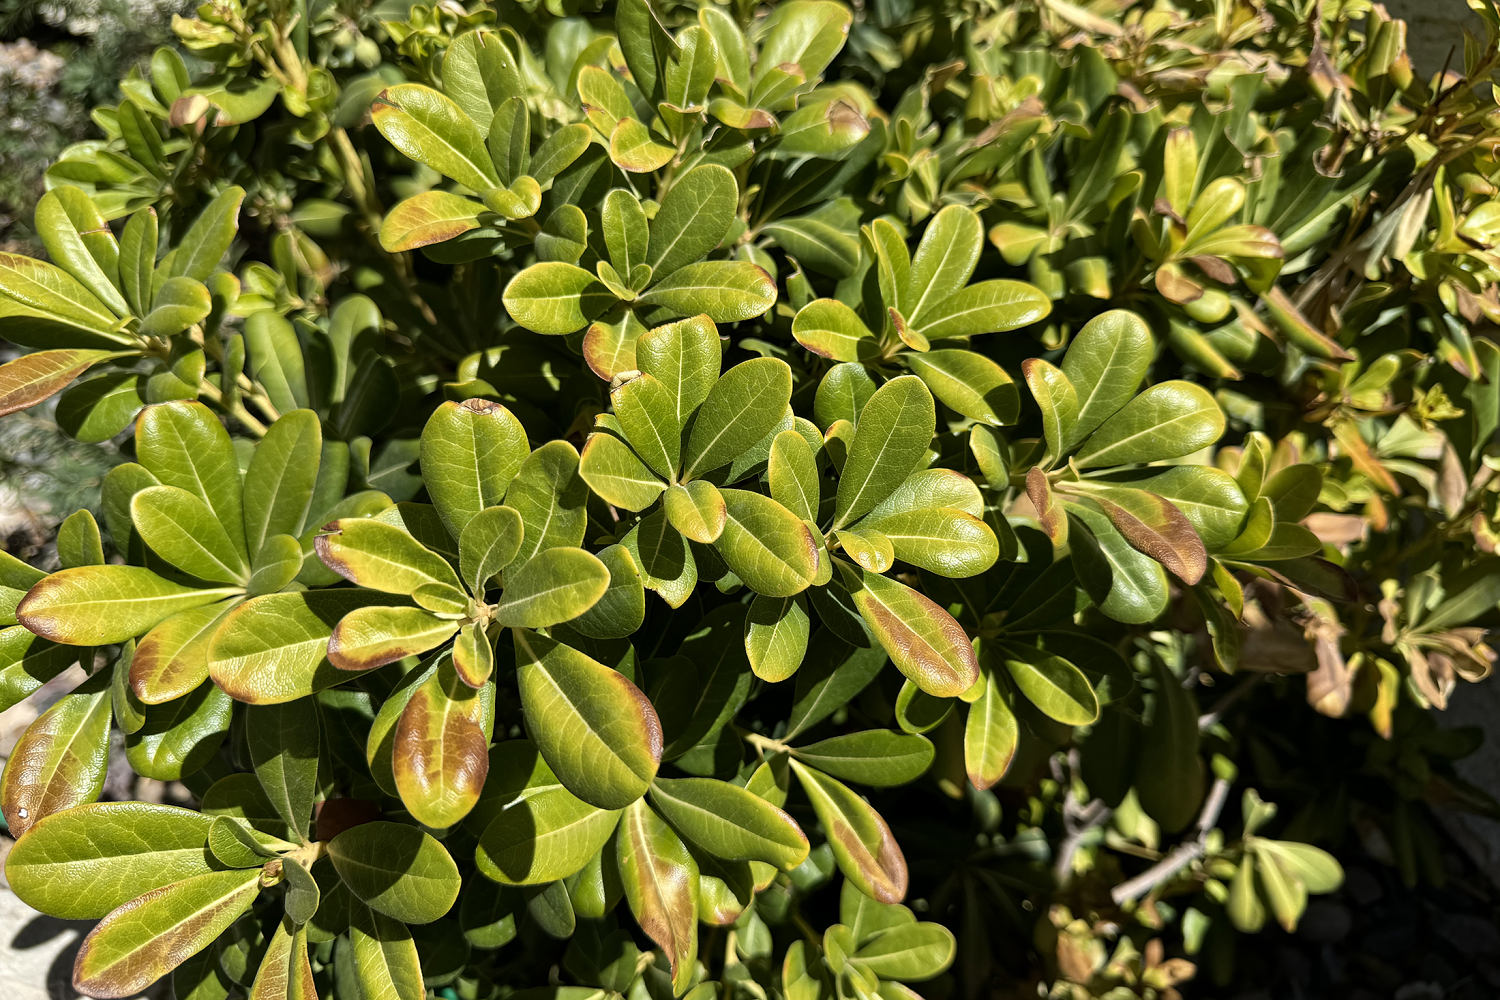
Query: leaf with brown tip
x=1155, y=527
x=922, y=639
x=60, y=759
x=150, y=936
x=861, y=840
x=371, y=637
x=31, y=378
x=661, y=885
x=442, y=747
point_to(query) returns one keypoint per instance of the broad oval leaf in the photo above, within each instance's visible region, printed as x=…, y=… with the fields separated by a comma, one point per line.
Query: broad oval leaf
x=617, y=474
x=381, y=556
x=275, y=648
x=429, y=128
x=34, y=377
x=766, y=545
x=1052, y=684
x=555, y=297
x=730, y=822
x=726, y=291
x=470, y=452
x=594, y=728
x=877, y=757
x=744, y=406
x=1168, y=420
x=1106, y=363
x=694, y=217
x=179, y=527
x=543, y=835
x=397, y=870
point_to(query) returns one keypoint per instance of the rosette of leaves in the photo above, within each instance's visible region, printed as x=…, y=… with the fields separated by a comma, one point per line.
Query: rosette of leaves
x=1271, y=876
x=108, y=300
x=650, y=270
x=173, y=886
x=679, y=436
x=874, y=950
x=926, y=309
x=1095, y=424
x=498, y=549
x=477, y=133
x=695, y=849
x=187, y=521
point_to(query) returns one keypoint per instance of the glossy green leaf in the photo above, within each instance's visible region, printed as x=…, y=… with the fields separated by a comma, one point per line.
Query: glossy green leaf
x=96, y=605
x=767, y=546
x=558, y=585
x=1168, y=420
x=831, y=329
x=489, y=543
x=470, y=453
x=182, y=529
x=283, y=742
x=1105, y=364
x=427, y=218
x=776, y=634
x=396, y=869
x=1058, y=400
x=550, y=496
x=894, y=431
x=555, y=297
x=647, y=413
x=183, y=444
x=1052, y=684
x=208, y=239
x=877, y=757
x=386, y=964
x=34, y=377
x=430, y=128
x=544, y=834
x=179, y=738
x=82, y=862
x=697, y=510
x=371, y=637
x=694, y=217
x=729, y=822
x=281, y=479
x=274, y=648
x=991, y=734
x=617, y=474
x=726, y=291
x=594, y=728
x=743, y=407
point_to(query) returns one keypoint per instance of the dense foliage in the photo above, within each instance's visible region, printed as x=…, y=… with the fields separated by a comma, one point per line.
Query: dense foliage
x=772, y=502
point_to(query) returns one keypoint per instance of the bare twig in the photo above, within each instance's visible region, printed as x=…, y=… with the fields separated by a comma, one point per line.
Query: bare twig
x=1180, y=856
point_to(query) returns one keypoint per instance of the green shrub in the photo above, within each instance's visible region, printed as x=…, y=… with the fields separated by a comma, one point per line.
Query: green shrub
x=622, y=499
